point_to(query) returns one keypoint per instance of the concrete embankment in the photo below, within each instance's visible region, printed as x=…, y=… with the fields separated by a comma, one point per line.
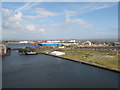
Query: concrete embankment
x=83, y=62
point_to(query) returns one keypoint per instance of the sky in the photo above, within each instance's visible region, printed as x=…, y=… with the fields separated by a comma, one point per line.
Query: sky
x=59, y=20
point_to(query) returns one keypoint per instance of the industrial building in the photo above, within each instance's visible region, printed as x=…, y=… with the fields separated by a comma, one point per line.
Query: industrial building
x=23, y=42
x=49, y=44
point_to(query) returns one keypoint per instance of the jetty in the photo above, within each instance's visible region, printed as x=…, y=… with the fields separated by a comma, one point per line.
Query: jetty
x=26, y=51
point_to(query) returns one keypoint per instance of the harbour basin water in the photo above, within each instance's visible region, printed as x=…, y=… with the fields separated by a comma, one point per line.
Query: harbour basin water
x=43, y=71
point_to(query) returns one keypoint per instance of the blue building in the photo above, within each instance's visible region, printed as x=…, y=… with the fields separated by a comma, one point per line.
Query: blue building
x=49, y=44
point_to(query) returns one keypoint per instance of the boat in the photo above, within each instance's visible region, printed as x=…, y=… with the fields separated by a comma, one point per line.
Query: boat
x=31, y=53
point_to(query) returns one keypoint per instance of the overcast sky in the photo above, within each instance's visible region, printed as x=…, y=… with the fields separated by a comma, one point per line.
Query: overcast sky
x=63, y=20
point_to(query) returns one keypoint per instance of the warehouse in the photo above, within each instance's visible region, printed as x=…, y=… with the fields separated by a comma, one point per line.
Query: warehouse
x=49, y=44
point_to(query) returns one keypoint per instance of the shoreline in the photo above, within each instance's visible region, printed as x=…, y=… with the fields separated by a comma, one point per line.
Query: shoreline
x=82, y=62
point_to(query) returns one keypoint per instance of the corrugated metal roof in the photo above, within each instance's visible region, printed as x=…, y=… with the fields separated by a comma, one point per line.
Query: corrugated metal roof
x=48, y=44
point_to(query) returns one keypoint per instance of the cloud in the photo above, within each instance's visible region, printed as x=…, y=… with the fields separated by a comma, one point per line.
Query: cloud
x=15, y=23
x=101, y=7
x=18, y=23
x=6, y=12
x=31, y=27
x=16, y=17
x=27, y=5
x=70, y=13
x=11, y=21
x=84, y=8
x=79, y=9
x=44, y=13
x=42, y=30
x=32, y=17
x=92, y=7
x=40, y=12
x=78, y=21
x=81, y=22
x=68, y=23
x=55, y=24
x=67, y=18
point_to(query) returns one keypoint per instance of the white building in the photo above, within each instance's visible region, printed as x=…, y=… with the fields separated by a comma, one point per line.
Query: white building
x=88, y=43
x=56, y=41
x=57, y=53
x=72, y=41
x=23, y=42
x=48, y=41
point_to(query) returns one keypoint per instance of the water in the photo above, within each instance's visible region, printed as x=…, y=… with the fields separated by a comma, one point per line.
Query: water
x=102, y=47
x=43, y=71
x=14, y=46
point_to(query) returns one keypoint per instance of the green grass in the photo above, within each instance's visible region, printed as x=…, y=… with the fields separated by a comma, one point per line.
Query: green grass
x=106, y=59
x=102, y=58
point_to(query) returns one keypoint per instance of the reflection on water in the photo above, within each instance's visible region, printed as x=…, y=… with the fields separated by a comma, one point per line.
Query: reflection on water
x=42, y=71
